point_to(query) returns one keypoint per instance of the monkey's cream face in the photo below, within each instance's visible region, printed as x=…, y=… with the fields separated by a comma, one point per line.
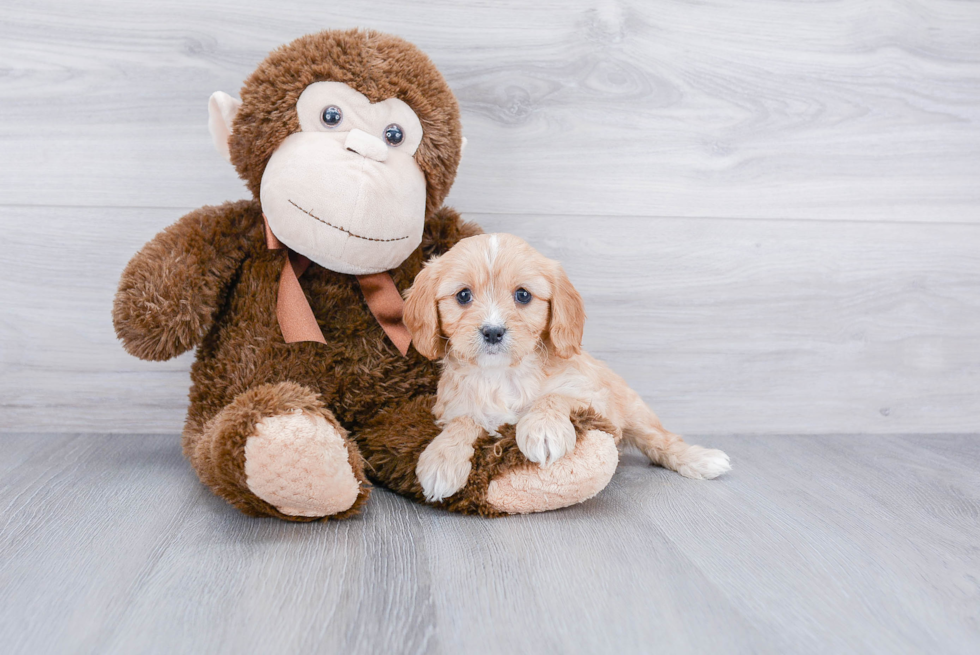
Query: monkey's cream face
x=346, y=191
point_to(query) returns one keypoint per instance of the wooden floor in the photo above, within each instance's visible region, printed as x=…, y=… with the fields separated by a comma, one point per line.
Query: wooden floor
x=811, y=545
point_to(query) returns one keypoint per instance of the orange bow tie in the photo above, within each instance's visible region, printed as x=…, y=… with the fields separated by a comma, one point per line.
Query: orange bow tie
x=296, y=319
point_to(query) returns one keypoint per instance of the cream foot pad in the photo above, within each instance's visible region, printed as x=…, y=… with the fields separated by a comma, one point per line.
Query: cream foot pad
x=299, y=463
x=574, y=478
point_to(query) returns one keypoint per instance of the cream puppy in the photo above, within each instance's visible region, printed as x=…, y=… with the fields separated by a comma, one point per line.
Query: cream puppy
x=508, y=324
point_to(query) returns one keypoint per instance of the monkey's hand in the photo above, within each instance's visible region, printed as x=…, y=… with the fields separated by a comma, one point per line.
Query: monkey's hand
x=171, y=290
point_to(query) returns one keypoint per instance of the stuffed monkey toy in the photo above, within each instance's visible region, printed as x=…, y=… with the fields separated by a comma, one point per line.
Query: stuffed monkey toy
x=305, y=386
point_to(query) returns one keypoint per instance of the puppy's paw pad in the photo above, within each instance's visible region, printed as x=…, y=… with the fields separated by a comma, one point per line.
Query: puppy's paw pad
x=703, y=463
x=545, y=439
x=443, y=469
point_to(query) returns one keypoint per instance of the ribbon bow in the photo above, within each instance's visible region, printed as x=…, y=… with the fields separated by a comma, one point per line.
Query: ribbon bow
x=296, y=319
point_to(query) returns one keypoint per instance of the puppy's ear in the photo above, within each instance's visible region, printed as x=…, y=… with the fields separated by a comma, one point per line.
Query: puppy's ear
x=422, y=312
x=567, y=316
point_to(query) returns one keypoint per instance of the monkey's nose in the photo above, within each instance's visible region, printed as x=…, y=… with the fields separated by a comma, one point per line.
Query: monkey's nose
x=493, y=334
x=366, y=145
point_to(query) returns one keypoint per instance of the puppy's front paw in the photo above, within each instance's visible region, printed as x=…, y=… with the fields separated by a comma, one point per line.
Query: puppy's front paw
x=703, y=463
x=444, y=467
x=544, y=438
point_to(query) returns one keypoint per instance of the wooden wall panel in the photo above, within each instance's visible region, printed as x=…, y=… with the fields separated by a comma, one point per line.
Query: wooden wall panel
x=722, y=325
x=820, y=110
x=772, y=208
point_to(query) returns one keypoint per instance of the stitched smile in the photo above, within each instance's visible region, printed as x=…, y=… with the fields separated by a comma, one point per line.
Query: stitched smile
x=344, y=230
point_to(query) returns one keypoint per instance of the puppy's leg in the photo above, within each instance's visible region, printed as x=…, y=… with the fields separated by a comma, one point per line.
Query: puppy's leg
x=444, y=465
x=546, y=432
x=644, y=430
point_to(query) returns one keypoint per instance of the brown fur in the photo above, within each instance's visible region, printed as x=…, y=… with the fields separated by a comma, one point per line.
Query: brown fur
x=210, y=282
x=244, y=371
x=378, y=65
x=222, y=442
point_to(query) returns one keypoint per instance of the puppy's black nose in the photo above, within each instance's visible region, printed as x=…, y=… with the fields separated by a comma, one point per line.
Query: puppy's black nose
x=493, y=333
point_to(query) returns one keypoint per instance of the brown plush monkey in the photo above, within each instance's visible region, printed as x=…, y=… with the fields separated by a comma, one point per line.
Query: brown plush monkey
x=349, y=142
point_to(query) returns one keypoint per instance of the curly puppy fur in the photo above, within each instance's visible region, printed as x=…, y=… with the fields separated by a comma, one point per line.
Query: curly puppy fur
x=210, y=282
x=514, y=355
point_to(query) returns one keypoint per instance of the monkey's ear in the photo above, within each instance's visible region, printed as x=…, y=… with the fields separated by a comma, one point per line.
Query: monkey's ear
x=462, y=148
x=221, y=113
x=421, y=313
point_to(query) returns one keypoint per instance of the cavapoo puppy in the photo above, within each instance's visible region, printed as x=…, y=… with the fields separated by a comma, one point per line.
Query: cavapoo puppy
x=508, y=324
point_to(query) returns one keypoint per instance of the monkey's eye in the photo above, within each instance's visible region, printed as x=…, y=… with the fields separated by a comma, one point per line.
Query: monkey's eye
x=394, y=135
x=522, y=296
x=464, y=297
x=332, y=116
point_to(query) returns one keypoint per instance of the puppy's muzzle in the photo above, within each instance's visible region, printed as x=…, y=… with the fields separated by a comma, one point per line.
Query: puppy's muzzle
x=493, y=334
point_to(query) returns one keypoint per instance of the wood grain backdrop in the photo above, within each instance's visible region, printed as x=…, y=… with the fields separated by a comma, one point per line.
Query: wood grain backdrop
x=772, y=208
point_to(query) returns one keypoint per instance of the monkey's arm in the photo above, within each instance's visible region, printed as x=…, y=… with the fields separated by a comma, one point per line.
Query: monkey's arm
x=171, y=290
x=443, y=229
x=394, y=440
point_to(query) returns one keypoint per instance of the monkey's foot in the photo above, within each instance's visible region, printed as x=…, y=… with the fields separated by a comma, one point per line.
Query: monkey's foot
x=574, y=478
x=298, y=463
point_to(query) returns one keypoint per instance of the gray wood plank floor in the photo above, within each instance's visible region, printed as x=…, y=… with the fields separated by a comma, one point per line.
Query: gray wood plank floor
x=817, y=544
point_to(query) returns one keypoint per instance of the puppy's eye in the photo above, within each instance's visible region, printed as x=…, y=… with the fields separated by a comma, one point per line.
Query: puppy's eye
x=523, y=296
x=332, y=116
x=464, y=297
